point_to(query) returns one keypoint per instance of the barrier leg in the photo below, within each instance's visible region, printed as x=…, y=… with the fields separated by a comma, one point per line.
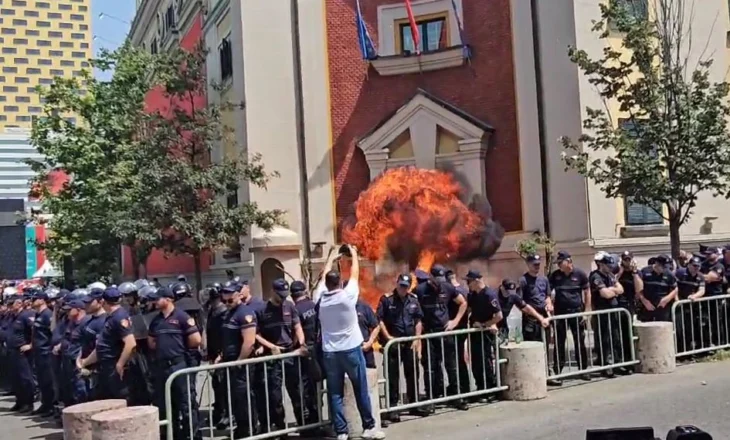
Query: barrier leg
x=525, y=371
x=655, y=348
x=137, y=422
x=77, y=418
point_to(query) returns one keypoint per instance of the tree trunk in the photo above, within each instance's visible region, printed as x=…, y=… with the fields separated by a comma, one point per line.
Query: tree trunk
x=674, y=240
x=135, y=262
x=198, y=272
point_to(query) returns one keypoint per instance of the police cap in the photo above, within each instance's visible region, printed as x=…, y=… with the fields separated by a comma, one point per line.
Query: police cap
x=111, y=294
x=232, y=287
x=472, y=275
x=297, y=288
x=405, y=280
x=438, y=273
x=281, y=287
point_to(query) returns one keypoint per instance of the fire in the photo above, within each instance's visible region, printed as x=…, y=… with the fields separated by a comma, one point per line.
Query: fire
x=418, y=217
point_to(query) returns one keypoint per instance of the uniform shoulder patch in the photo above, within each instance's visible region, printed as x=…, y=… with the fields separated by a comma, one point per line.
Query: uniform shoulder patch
x=248, y=318
x=191, y=322
x=124, y=323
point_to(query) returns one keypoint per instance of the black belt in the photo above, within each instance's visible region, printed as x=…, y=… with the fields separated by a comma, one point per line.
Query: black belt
x=171, y=362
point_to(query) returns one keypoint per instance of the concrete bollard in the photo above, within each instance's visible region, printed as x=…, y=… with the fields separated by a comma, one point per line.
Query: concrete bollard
x=352, y=415
x=655, y=348
x=77, y=418
x=525, y=372
x=136, y=422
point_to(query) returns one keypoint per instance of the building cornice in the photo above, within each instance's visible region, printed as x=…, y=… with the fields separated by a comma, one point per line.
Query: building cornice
x=148, y=10
x=214, y=16
x=142, y=18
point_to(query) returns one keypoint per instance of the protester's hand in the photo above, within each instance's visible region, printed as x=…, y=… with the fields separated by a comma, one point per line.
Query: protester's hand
x=353, y=250
x=120, y=370
x=451, y=325
x=25, y=348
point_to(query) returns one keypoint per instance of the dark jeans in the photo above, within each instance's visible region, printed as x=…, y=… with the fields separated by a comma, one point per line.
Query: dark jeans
x=44, y=372
x=184, y=417
x=577, y=329
x=352, y=363
x=481, y=345
x=110, y=385
x=21, y=376
x=438, y=352
x=292, y=374
x=397, y=354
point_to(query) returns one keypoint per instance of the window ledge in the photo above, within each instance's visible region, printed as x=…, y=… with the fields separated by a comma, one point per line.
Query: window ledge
x=638, y=231
x=406, y=64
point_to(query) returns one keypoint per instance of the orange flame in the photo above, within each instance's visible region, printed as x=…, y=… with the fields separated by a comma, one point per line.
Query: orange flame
x=417, y=216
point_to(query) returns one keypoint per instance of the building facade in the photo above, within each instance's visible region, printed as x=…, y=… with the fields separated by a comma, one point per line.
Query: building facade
x=488, y=96
x=40, y=40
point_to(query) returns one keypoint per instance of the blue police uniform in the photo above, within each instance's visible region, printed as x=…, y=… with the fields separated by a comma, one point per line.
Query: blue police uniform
x=213, y=327
x=713, y=311
x=400, y=315
x=609, y=349
x=307, y=310
x=235, y=321
x=170, y=334
x=20, y=334
x=483, y=307
x=569, y=299
x=88, y=344
x=276, y=324
x=109, y=346
x=535, y=291
x=76, y=389
x=61, y=373
x=434, y=297
x=367, y=321
x=688, y=323
x=462, y=369
x=42, y=359
x=656, y=287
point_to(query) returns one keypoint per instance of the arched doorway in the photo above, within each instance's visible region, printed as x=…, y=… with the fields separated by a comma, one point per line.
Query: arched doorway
x=270, y=270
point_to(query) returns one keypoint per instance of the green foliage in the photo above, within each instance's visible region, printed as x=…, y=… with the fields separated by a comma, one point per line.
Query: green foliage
x=678, y=144
x=538, y=244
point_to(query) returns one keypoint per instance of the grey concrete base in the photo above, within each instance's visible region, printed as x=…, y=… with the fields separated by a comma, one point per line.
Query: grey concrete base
x=525, y=372
x=655, y=348
x=135, y=423
x=352, y=415
x=77, y=418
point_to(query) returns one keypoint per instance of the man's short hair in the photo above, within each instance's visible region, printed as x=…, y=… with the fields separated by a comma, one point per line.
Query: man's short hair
x=332, y=280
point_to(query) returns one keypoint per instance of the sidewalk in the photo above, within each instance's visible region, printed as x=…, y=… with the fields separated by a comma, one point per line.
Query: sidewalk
x=17, y=427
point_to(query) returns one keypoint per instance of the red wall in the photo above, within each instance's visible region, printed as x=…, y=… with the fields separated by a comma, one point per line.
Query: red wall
x=159, y=263
x=361, y=98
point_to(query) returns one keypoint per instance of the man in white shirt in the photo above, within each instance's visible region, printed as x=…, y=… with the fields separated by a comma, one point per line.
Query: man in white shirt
x=342, y=346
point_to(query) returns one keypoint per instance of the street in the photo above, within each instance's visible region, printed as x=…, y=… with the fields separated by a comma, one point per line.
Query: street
x=639, y=400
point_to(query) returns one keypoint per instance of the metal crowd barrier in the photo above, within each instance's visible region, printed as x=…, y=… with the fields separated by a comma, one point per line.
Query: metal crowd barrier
x=610, y=335
x=701, y=325
x=425, y=356
x=254, y=371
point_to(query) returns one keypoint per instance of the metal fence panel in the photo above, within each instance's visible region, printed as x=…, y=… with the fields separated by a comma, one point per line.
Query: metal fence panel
x=435, y=350
x=701, y=325
x=608, y=333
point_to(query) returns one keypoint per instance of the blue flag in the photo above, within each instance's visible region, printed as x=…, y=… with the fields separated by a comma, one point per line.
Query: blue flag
x=367, y=47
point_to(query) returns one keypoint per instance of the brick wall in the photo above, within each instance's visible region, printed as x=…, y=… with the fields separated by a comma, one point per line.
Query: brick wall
x=485, y=88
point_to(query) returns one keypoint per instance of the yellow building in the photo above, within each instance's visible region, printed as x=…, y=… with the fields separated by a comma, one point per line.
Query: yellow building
x=40, y=39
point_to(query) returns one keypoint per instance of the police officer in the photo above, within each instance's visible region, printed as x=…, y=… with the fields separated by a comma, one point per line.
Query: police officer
x=690, y=285
x=114, y=347
x=368, y=323
x=484, y=313
x=509, y=297
x=605, y=291
x=42, y=347
x=97, y=319
x=213, y=333
x=130, y=299
x=281, y=332
x=660, y=289
x=172, y=333
x=74, y=383
x=572, y=295
x=237, y=343
x=434, y=297
x=535, y=289
x=139, y=375
x=712, y=311
x=19, y=344
x=400, y=315
x=630, y=278
x=462, y=369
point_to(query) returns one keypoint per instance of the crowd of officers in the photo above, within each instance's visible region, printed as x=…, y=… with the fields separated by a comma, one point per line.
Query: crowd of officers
x=125, y=341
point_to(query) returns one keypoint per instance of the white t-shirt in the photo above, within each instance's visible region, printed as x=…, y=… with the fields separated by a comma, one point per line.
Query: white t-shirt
x=338, y=317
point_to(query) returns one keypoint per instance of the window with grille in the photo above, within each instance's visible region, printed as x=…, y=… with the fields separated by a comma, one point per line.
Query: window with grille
x=637, y=214
x=226, y=58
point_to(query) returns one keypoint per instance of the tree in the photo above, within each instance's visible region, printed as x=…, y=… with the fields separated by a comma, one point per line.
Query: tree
x=677, y=143
x=191, y=191
x=97, y=208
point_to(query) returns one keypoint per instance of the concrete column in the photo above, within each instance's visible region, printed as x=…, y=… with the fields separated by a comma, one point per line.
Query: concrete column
x=137, y=423
x=352, y=415
x=655, y=348
x=77, y=418
x=525, y=372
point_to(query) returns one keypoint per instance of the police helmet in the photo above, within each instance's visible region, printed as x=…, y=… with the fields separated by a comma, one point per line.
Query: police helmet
x=128, y=289
x=181, y=289
x=140, y=283
x=79, y=293
x=96, y=285
x=52, y=293
x=147, y=293
x=211, y=291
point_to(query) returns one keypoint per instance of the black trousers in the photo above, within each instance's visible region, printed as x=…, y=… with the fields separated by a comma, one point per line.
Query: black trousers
x=531, y=328
x=220, y=394
x=688, y=326
x=21, y=376
x=243, y=399
x=292, y=374
x=184, y=417
x=139, y=380
x=714, y=333
x=438, y=353
x=110, y=385
x=43, y=363
x=659, y=314
x=401, y=354
x=606, y=330
x=481, y=347
x=577, y=329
